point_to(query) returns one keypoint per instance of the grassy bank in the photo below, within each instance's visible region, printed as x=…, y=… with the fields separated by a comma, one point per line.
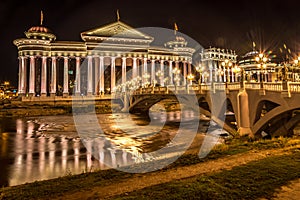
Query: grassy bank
x=255, y=180
x=83, y=182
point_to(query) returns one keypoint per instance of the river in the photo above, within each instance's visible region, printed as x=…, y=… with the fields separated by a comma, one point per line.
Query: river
x=40, y=148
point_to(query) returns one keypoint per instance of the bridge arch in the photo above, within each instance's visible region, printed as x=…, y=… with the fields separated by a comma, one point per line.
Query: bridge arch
x=264, y=106
x=280, y=114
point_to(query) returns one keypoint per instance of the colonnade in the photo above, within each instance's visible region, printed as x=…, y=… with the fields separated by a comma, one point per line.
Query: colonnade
x=92, y=80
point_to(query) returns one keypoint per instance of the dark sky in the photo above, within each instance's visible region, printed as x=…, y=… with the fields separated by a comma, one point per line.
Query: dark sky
x=227, y=24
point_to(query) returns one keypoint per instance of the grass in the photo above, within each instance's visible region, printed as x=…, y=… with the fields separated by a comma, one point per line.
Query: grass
x=255, y=180
x=73, y=183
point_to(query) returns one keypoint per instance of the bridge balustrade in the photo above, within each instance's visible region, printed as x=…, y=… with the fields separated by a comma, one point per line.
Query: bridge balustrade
x=255, y=86
x=205, y=87
x=233, y=86
x=294, y=87
x=273, y=86
x=220, y=86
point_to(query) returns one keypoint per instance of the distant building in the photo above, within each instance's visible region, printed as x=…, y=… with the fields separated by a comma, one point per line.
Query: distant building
x=7, y=91
x=48, y=67
x=211, y=62
x=254, y=73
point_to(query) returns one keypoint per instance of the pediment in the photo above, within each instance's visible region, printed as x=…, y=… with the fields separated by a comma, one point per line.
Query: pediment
x=117, y=29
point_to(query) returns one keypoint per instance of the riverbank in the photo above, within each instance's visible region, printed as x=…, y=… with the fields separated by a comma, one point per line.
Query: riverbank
x=253, y=169
x=18, y=108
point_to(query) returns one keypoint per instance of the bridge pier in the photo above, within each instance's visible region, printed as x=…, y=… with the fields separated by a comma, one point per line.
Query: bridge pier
x=125, y=103
x=243, y=114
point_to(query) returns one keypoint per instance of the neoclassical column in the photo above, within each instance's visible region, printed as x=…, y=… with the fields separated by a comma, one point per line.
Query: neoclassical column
x=177, y=67
x=232, y=75
x=101, y=74
x=134, y=67
x=53, y=77
x=152, y=71
x=145, y=71
x=123, y=70
x=138, y=69
x=220, y=75
x=177, y=64
x=90, y=76
x=44, y=77
x=184, y=73
x=162, y=73
x=78, y=82
x=32, y=76
x=66, y=76
x=189, y=67
x=145, y=66
x=113, y=74
x=170, y=72
x=96, y=83
x=22, y=76
x=216, y=72
x=224, y=70
x=210, y=74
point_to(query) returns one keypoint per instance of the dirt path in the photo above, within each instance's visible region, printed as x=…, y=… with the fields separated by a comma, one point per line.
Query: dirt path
x=289, y=192
x=140, y=181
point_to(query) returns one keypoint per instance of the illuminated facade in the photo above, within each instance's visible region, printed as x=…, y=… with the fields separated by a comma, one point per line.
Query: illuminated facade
x=48, y=67
x=255, y=74
x=211, y=62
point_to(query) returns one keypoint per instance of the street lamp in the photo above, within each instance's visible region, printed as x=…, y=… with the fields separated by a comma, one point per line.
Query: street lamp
x=146, y=76
x=296, y=66
x=176, y=72
x=160, y=74
x=261, y=59
x=227, y=64
x=191, y=77
x=236, y=71
x=200, y=69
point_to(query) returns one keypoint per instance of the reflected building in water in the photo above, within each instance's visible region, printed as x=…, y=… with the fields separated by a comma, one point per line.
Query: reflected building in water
x=39, y=157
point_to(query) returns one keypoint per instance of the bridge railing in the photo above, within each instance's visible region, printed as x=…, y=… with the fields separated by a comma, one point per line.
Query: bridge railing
x=273, y=86
x=269, y=86
x=294, y=87
x=233, y=86
x=219, y=86
x=252, y=85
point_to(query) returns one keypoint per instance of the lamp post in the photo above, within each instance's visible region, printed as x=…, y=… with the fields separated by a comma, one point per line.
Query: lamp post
x=190, y=77
x=236, y=71
x=261, y=59
x=220, y=73
x=160, y=74
x=200, y=70
x=296, y=66
x=146, y=76
x=176, y=72
x=227, y=64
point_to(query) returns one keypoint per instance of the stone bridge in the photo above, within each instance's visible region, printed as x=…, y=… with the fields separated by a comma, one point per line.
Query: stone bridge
x=252, y=109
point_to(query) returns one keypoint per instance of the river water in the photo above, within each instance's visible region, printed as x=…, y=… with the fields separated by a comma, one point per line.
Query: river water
x=40, y=148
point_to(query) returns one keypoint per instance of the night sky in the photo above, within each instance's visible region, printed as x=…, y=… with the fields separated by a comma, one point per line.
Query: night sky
x=226, y=24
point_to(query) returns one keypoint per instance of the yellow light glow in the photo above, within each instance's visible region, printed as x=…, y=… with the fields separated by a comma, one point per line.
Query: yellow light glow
x=264, y=66
x=265, y=59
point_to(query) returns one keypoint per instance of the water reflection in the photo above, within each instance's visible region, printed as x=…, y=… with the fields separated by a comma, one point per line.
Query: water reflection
x=49, y=147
